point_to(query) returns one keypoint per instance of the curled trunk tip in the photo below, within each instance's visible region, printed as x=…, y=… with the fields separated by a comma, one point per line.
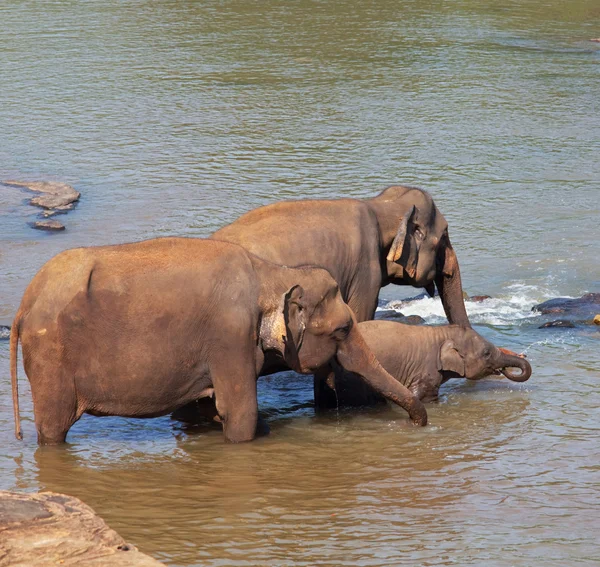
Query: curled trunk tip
x=521, y=364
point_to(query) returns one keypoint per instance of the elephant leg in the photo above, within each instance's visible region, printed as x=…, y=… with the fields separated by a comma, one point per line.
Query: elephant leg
x=236, y=399
x=325, y=396
x=205, y=410
x=55, y=410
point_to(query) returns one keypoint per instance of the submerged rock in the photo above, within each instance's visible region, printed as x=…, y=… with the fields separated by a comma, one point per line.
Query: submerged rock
x=4, y=332
x=558, y=323
x=413, y=320
x=389, y=314
x=596, y=320
x=49, y=224
x=49, y=528
x=583, y=308
x=393, y=315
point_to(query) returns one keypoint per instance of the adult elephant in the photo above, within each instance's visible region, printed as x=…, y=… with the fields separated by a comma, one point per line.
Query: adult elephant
x=139, y=330
x=397, y=237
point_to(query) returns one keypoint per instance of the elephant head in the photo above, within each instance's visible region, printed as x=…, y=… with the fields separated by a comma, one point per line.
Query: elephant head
x=313, y=326
x=417, y=247
x=467, y=354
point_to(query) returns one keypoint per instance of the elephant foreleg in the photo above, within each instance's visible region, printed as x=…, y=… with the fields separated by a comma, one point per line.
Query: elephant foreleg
x=236, y=399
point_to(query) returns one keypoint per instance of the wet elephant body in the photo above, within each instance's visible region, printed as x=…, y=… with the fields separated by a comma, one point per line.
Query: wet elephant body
x=139, y=330
x=421, y=358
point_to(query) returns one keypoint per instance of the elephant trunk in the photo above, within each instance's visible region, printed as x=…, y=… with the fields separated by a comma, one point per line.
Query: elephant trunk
x=513, y=361
x=450, y=288
x=355, y=356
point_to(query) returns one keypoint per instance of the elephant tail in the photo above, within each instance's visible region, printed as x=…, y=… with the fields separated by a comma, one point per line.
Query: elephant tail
x=14, y=343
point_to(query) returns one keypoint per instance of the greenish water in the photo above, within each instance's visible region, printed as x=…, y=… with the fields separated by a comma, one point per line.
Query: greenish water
x=173, y=118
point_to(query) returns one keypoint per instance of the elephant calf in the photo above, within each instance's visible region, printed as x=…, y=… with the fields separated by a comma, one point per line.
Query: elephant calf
x=422, y=358
x=139, y=330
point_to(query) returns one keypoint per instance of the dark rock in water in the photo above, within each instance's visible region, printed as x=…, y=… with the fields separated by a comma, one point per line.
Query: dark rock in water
x=479, y=298
x=49, y=528
x=48, y=225
x=4, y=332
x=388, y=314
x=558, y=323
x=584, y=307
x=413, y=320
x=391, y=314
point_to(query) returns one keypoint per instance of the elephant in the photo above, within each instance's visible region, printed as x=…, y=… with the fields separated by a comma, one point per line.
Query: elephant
x=398, y=237
x=141, y=329
x=422, y=358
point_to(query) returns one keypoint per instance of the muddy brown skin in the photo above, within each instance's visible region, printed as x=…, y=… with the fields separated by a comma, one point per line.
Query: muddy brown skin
x=139, y=330
x=422, y=358
x=397, y=237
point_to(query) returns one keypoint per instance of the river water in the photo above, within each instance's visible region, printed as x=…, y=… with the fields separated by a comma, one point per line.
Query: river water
x=173, y=118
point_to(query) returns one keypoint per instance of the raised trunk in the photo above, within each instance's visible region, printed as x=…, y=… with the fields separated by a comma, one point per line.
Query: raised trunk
x=509, y=361
x=450, y=287
x=354, y=355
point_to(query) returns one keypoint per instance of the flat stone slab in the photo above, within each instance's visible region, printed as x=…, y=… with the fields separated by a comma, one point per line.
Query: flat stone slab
x=55, y=198
x=48, y=224
x=56, y=195
x=48, y=528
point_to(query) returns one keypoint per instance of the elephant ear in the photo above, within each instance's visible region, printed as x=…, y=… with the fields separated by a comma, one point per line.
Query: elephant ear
x=282, y=328
x=404, y=249
x=294, y=316
x=450, y=359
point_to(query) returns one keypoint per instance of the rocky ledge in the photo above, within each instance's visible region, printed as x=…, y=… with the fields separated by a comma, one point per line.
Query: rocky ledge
x=48, y=528
x=55, y=198
x=583, y=310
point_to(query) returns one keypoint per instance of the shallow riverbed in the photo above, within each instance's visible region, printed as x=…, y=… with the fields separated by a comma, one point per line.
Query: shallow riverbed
x=173, y=118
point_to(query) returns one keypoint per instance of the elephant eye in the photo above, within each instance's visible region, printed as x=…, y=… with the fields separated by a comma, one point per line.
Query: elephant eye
x=343, y=331
x=487, y=353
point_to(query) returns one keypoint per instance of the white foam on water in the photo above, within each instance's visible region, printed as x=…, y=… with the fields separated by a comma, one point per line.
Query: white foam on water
x=510, y=308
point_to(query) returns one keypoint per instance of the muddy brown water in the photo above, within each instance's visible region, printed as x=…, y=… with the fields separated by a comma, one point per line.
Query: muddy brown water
x=173, y=118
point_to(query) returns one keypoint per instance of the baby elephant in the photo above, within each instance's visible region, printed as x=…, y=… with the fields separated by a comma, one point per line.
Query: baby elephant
x=422, y=358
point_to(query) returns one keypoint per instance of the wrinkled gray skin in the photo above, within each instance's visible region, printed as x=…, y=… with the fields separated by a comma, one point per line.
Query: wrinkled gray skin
x=424, y=357
x=139, y=330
